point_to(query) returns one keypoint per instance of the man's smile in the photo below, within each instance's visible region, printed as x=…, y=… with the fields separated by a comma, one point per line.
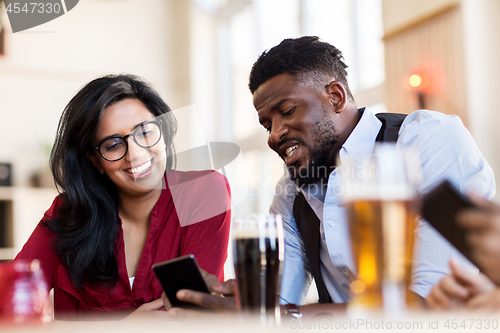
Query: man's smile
x=289, y=152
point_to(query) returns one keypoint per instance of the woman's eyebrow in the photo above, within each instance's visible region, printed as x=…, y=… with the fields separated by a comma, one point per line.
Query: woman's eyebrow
x=119, y=135
x=142, y=123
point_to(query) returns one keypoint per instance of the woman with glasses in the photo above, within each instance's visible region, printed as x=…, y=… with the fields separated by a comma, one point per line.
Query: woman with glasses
x=121, y=207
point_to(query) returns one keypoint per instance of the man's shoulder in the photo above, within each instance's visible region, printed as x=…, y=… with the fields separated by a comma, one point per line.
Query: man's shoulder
x=285, y=193
x=428, y=117
x=286, y=188
x=431, y=124
x=446, y=150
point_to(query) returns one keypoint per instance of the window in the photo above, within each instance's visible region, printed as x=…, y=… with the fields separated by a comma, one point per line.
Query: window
x=245, y=28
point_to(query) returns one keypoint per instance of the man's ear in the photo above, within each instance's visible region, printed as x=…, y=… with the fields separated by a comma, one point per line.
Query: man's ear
x=95, y=161
x=337, y=95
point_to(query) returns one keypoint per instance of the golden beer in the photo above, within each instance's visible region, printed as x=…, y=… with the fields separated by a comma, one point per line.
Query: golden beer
x=382, y=236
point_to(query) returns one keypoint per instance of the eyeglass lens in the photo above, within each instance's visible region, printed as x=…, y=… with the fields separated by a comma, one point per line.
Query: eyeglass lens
x=146, y=135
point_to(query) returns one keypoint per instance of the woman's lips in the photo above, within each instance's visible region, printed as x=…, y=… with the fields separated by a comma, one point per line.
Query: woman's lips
x=142, y=170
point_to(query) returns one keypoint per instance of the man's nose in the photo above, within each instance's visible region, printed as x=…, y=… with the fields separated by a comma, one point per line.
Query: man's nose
x=277, y=134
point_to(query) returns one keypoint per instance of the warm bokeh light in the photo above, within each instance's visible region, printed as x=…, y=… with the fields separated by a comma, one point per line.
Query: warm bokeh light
x=415, y=80
x=357, y=286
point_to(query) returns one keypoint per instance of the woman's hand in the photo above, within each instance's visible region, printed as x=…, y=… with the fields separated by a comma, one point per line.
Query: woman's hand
x=148, y=309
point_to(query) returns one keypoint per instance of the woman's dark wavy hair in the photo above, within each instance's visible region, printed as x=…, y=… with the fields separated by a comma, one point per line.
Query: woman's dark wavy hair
x=306, y=56
x=87, y=221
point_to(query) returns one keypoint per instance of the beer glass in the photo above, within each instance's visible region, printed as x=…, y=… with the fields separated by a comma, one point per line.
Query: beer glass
x=378, y=194
x=258, y=255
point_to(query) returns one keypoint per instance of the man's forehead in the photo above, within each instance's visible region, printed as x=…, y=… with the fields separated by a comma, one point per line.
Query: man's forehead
x=275, y=90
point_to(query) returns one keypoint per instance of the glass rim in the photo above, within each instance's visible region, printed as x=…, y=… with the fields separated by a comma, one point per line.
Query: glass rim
x=388, y=172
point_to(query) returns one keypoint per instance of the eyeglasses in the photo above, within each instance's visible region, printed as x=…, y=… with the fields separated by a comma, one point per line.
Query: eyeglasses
x=145, y=135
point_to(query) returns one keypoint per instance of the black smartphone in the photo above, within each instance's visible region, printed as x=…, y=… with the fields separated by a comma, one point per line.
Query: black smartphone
x=180, y=273
x=440, y=207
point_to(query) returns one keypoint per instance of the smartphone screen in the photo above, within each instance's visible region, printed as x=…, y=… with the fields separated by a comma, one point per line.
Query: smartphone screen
x=440, y=207
x=180, y=273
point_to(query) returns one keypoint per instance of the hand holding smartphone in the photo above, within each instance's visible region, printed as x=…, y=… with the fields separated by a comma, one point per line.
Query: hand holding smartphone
x=180, y=273
x=440, y=207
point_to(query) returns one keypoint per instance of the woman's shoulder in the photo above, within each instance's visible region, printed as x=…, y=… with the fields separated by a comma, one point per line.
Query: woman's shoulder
x=53, y=211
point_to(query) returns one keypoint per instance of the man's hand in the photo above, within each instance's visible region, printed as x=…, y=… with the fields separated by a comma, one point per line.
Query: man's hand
x=488, y=301
x=216, y=300
x=455, y=289
x=483, y=236
x=318, y=311
x=221, y=298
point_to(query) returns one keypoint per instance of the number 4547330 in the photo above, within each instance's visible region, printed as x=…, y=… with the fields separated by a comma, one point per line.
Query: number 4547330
x=33, y=7
x=471, y=323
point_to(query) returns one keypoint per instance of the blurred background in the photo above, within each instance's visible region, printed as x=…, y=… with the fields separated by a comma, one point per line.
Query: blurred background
x=402, y=55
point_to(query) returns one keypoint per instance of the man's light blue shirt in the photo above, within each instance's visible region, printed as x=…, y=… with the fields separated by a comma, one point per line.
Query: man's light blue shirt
x=446, y=150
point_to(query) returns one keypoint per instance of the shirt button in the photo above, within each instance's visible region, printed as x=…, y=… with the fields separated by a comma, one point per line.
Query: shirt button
x=330, y=223
x=346, y=273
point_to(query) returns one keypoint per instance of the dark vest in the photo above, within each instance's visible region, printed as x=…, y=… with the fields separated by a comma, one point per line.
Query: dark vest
x=308, y=222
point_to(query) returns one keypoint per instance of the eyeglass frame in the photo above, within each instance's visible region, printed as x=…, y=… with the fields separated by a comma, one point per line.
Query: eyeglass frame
x=158, y=123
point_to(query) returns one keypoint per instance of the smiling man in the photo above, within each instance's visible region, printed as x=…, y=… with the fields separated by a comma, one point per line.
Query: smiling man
x=302, y=98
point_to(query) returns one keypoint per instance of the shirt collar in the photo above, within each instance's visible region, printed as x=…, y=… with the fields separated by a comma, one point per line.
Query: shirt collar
x=362, y=138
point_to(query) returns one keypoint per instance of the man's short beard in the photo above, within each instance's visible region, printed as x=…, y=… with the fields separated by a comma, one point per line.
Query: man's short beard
x=317, y=169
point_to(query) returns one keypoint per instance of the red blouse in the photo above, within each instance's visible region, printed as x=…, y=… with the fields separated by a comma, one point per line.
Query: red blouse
x=202, y=198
